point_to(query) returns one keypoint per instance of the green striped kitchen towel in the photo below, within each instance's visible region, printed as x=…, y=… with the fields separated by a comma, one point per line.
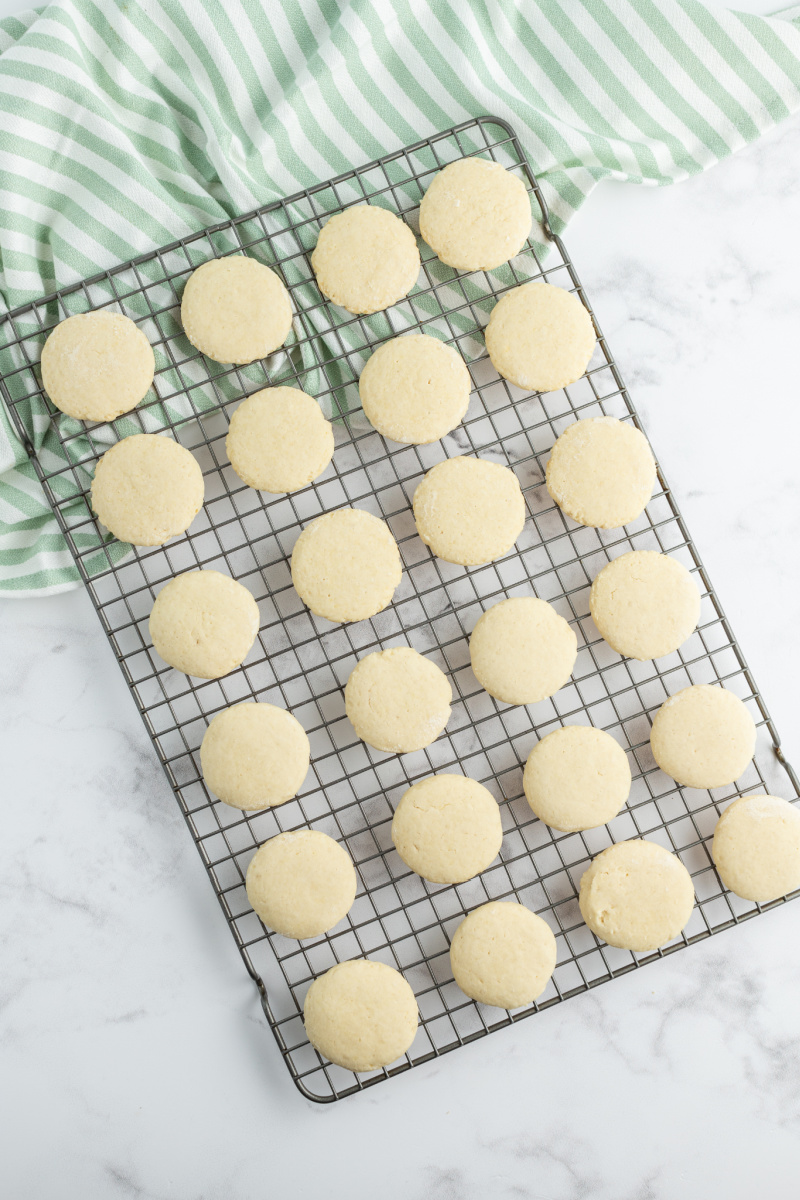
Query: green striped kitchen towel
x=126, y=125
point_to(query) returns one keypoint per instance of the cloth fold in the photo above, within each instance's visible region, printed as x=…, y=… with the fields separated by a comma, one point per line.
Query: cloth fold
x=127, y=126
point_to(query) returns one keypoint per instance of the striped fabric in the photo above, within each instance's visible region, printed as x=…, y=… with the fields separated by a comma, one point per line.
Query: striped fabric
x=127, y=125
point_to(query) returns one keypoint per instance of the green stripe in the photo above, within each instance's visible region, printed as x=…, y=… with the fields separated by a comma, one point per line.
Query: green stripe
x=188, y=158
x=701, y=76
x=24, y=185
x=436, y=116
x=115, y=154
x=598, y=129
x=667, y=93
x=47, y=579
x=314, y=128
x=767, y=36
x=737, y=60
x=625, y=99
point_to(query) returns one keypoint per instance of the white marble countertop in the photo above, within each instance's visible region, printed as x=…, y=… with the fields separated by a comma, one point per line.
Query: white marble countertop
x=135, y=1058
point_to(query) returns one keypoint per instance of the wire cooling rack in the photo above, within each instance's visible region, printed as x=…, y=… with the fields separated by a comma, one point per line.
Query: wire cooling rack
x=302, y=662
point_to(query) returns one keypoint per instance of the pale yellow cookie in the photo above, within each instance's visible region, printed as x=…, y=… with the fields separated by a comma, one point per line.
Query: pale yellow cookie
x=469, y=510
x=397, y=700
x=636, y=896
x=147, y=489
x=97, y=365
x=540, y=337
x=577, y=778
x=414, y=388
x=361, y=1015
x=601, y=472
x=475, y=215
x=756, y=848
x=503, y=954
x=254, y=756
x=235, y=310
x=346, y=565
x=365, y=259
x=703, y=736
x=301, y=884
x=645, y=604
x=279, y=440
x=522, y=651
x=447, y=828
x=204, y=623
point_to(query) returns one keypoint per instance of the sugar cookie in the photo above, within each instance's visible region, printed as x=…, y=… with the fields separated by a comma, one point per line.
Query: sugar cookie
x=204, y=623
x=97, y=365
x=756, y=848
x=254, y=756
x=475, y=215
x=414, y=388
x=346, y=565
x=577, y=778
x=522, y=651
x=147, y=489
x=235, y=310
x=540, y=337
x=397, y=700
x=366, y=259
x=447, y=828
x=636, y=895
x=361, y=1015
x=301, y=884
x=469, y=510
x=503, y=954
x=601, y=472
x=279, y=440
x=703, y=737
x=645, y=604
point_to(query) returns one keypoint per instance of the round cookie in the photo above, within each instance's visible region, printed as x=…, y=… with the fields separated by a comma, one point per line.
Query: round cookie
x=503, y=954
x=365, y=259
x=346, y=565
x=397, y=700
x=447, y=828
x=469, y=510
x=147, y=489
x=204, y=623
x=361, y=1015
x=415, y=389
x=756, y=848
x=235, y=310
x=601, y=472
x=703, y=737
x=475, y=215
x=97, y=365
x=279, y=440
x=577, y=778
x=636, y=895
x=645, y=604
x=540, y=337
x=301, y=884
x=522, y=651
x=255, y=756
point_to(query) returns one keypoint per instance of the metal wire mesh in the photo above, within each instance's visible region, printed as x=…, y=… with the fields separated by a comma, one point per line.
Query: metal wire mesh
x=302, y=662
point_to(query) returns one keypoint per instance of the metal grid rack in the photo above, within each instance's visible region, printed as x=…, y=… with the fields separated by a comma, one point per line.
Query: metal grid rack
x=302, y=663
